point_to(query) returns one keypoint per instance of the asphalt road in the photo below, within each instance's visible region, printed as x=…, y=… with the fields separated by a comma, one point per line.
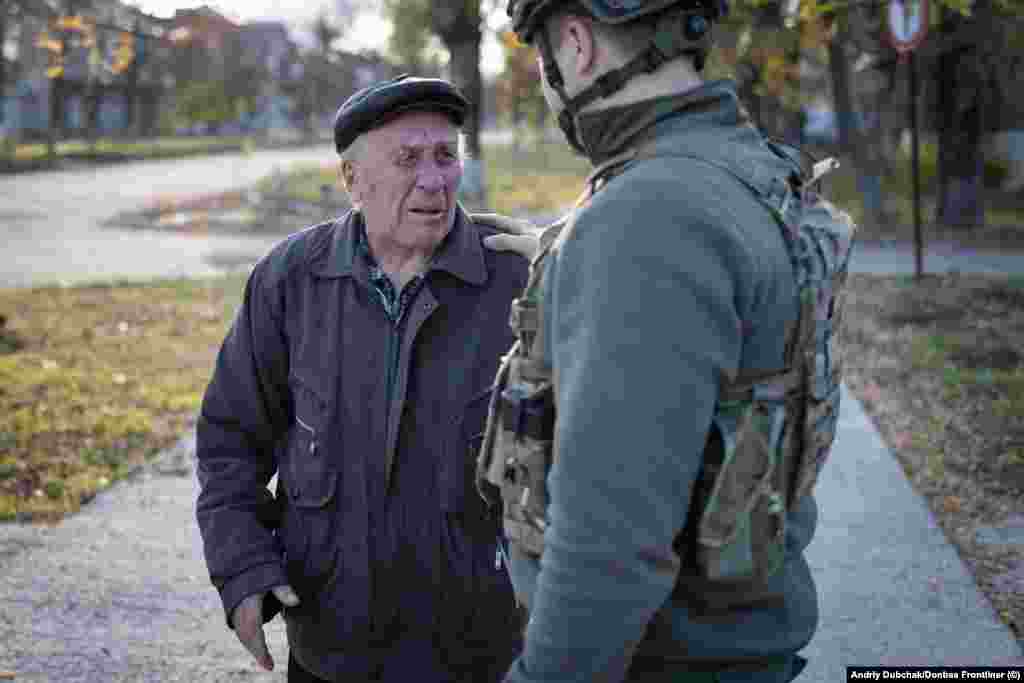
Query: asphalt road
x=51, y=223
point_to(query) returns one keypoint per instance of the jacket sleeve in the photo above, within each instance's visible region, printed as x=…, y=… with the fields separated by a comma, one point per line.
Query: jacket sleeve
x=642, y=320
x=242, y=419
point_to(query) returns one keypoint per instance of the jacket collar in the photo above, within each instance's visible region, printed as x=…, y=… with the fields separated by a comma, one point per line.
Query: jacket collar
x=461, y=253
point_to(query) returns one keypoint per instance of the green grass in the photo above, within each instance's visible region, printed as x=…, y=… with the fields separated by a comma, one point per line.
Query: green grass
x=539, y=179
x=156, y=147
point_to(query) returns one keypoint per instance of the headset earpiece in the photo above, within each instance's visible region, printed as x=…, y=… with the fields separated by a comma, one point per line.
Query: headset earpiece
x=695, y=27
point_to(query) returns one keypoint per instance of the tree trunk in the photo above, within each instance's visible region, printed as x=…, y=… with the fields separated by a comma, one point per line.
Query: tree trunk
x=465, y=73
x=93, y=105
x=749, y=75
x=853, y=144
x=795, y=116
x=4, y=9
x=55, y=129
x=457, y=24
x=8, y=146
x=960, y=109
x=842, y=94
x=133, y=123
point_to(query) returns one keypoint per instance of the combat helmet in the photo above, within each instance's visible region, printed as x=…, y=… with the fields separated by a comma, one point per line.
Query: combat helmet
x=682, y=27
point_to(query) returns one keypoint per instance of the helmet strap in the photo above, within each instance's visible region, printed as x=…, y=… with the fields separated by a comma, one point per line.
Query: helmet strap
x=553, y=76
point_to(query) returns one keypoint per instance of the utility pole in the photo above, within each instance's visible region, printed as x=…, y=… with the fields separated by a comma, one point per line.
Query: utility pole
x=907, y=29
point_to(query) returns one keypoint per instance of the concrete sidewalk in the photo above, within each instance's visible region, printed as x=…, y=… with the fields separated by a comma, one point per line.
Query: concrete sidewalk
x=938, y=257
x=892, y=589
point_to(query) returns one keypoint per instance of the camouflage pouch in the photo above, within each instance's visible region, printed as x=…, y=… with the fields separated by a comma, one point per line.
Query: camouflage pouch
x=777, y=428
x=821, y=253
x=741, y=533
x=517, y=450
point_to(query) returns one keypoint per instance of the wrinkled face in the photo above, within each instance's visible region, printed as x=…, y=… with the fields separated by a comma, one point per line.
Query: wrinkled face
x=406, y=181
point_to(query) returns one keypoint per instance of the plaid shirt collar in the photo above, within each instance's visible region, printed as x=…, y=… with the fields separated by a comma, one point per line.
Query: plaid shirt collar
x=395, y=303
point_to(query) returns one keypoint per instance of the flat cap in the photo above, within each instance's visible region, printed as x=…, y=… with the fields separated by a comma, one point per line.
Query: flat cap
x=377, y=104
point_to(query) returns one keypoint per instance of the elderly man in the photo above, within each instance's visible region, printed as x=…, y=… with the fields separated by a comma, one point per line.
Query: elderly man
x=359, y=371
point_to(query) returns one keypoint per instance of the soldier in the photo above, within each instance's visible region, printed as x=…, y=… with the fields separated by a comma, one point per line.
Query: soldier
x=656, y=430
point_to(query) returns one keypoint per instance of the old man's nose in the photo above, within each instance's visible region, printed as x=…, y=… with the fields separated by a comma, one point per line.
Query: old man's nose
x=431, y=179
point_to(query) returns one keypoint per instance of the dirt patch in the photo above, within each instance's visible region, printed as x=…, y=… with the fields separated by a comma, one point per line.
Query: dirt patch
x=9, y=339
x=939, y=366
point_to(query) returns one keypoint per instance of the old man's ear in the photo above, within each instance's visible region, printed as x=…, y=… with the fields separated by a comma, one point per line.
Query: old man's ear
x=347, y=174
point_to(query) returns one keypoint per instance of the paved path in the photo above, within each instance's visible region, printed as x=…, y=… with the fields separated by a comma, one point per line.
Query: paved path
x=51, y=223
x=939, y=257
x=892, y=589
x=119, y=592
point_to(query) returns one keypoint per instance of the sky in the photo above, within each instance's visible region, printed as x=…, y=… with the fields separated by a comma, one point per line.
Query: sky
x=368, y=31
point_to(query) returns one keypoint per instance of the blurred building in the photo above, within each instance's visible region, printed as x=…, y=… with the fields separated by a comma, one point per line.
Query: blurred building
x=266, y=47
x=98, y=67
x=329, y=79
x=87, y=68
x=201, y=39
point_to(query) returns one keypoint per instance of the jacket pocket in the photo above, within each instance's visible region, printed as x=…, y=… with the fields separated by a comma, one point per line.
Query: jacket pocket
x=309, y=478
x=466, y=436
x=309, y=526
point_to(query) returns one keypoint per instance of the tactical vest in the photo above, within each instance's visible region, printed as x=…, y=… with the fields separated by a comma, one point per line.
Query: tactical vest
x=771, y=431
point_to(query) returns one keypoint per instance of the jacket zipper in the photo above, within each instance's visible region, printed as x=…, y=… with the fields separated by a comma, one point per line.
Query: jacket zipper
x=394, y=351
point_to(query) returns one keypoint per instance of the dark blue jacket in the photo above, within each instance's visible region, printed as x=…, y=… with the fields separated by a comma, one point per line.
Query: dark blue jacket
x=375, y=521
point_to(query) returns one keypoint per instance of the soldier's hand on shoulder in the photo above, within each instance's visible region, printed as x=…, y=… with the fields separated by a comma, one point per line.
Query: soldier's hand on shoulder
x=247, y=620
x=518, y=236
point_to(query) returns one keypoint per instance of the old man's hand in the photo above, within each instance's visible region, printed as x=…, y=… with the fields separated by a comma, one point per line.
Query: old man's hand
x=521, y=237
x=247, y=619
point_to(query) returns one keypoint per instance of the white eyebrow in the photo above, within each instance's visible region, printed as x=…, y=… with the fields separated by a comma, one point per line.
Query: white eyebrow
x=447, y=143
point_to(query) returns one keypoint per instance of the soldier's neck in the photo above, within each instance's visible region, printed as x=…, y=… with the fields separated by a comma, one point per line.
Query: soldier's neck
x=674, y=78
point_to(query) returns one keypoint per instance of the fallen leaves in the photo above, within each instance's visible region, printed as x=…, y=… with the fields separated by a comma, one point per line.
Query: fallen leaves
x=947, y=393
x=901, y=440
x=872, y=392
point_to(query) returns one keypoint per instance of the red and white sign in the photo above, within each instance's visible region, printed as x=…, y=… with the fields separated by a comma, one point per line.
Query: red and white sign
x=907, y=24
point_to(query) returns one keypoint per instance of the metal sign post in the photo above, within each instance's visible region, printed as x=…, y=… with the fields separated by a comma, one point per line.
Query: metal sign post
x=907, y=29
